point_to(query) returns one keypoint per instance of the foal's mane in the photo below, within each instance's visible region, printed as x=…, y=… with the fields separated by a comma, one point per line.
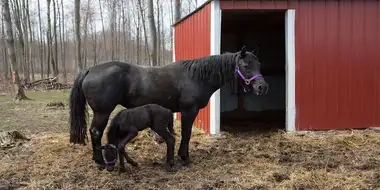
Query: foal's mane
x=214, y=69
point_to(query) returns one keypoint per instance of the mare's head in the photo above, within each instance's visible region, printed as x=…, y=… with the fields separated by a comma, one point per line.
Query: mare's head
x=248, y=70
x=109, y=153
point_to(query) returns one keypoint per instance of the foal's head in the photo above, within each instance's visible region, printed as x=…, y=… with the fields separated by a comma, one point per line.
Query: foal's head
x=248, y=68
x=109, y=152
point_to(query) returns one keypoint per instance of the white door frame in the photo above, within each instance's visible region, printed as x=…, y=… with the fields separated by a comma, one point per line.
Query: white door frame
x=215, y=41
x=290, y=69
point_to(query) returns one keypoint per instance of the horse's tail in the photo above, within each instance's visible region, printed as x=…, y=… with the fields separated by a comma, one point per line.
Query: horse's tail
x=78, y=111
x=171, y=125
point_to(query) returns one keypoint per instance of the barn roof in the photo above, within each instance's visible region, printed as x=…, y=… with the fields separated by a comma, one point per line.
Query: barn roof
x=191, y=13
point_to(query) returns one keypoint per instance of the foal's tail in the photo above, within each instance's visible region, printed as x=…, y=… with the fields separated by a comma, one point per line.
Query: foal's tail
x=78, y=111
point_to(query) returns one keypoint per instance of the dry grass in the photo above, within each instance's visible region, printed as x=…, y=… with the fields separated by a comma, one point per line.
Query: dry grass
x=250, y=160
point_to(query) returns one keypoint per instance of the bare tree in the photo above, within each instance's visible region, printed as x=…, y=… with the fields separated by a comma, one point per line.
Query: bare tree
x=103, y=30
x=40, y=40
x=85, y=31
x=138, y=26
x=49, y=43
x=4, y=49
x=19, y=91
x=144, y=28
x=26, y=50
x=31, y=38
x=55, y=55
x=63, y=42
x=177, y=11
x=77, y=34
x=153, y=33
x=18, y=18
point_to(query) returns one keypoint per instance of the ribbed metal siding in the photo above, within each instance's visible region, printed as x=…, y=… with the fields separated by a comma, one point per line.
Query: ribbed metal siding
x=337, y=61
x=192, y=40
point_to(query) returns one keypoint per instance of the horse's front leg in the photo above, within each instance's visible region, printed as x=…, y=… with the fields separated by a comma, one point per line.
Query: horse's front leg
x=187, y=120
x=123, y=154
x=98, y=124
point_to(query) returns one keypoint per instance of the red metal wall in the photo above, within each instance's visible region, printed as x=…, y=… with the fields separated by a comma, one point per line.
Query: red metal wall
x=192, y=40
x=337, y=61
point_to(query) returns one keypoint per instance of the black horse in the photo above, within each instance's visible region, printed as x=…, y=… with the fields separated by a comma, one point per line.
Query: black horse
x=125, y=126
x=184, y=86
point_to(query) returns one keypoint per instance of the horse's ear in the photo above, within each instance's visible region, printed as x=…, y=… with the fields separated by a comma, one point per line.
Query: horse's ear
x=243, y=51
x=256, y=50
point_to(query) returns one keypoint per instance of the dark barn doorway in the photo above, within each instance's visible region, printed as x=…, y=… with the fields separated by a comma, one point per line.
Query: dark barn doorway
x=244, y=111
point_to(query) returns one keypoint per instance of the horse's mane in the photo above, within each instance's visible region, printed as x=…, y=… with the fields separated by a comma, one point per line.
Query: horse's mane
x=211, y=68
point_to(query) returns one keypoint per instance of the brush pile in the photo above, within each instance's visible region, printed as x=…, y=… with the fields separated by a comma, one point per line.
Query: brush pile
x=46, y=84
x=11, y=139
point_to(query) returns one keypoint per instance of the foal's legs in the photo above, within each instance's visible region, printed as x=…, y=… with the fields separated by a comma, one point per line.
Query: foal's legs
x=123, y=154
x=187, y=120
x=170, y=143
x=99, y=123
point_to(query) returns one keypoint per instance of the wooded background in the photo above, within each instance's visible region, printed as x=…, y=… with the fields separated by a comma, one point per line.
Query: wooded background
x=48, y=37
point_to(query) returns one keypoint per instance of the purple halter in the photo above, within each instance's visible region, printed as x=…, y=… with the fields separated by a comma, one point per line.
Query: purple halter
x=103, y=154
x=247, y=81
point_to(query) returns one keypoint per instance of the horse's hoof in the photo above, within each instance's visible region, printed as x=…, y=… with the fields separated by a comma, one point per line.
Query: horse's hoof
x=186, y=162
x=170, y=168
x=100, y=167
x=134, y=164
x=122, y=170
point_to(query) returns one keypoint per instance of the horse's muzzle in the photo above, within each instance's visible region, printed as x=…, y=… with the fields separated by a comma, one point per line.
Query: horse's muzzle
x=261, y=88
x=110, y=167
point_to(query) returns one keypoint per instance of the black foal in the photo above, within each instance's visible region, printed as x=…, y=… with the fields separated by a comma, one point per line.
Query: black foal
x=126, y=125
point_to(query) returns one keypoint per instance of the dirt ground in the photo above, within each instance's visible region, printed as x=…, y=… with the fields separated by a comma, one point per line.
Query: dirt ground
x=235, y=160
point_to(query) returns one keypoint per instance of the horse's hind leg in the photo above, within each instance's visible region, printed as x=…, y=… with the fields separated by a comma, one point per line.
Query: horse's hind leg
x=98, y=124
x=170, y=143
x=122, y=153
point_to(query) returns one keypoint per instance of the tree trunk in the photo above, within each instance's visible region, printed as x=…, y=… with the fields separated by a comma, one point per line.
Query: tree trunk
x=137, y=23
x=103, y=30
x=63, y=43
x=153, y=33
x=19, y=91
x=130, y=39
x=158, y=33
x=21, y=36
x=40, y=40
x=85, y=36
x=77, y=35
x=144, y=29
x=113, y=28
x=31, y=38
x=177, y=11
x=48, y=34
x=125, y=39
x=4, y=49
x=93, y=31
x=55, y=57
x=119, y=34
x=162, y=32
x=27, y=49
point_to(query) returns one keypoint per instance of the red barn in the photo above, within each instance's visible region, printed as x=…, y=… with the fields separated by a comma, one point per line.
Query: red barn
x=320, y=58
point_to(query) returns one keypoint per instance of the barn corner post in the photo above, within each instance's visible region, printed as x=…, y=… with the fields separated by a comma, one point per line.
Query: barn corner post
x=290, y=70
x=215, y=40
